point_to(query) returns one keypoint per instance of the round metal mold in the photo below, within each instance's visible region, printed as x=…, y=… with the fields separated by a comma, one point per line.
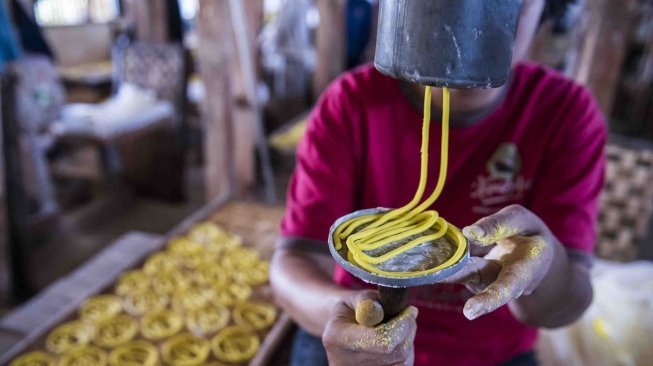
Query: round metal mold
x=341, y=258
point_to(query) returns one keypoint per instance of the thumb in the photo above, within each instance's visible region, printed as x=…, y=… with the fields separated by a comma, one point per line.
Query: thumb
x=368, y=309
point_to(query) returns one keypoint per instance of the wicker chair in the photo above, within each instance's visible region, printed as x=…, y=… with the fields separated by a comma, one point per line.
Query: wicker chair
x=158, y=67
x=626, y=201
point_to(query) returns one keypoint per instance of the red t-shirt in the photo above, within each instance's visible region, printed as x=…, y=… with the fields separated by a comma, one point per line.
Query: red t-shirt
x=542, y=148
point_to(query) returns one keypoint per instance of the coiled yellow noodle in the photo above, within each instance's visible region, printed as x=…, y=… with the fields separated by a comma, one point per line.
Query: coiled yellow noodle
x=211, y=275
x=135, y=353
x=116, y=331
x=256, y=274
x=161, y=325
x=207, y=320
x=84, y=356
x=145, y=301
x=192, y=298
x=235, y=344
x=131, y=281
x=69, y=335
x=185, y=350
x=410, y=220
x=161, y=262
x=257, y=315
x=100, y=308
x=232, y=293
x=167, y=283
x=36, y=358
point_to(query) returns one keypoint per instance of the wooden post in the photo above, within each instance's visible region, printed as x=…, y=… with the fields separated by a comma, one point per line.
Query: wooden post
x=5, y=263
x=330, y=44
x=215, y=47
x=604, y=47
x=244, y=114
x=150, y=19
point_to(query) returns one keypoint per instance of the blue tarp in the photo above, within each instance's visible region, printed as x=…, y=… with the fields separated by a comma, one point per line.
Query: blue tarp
x=9, y=48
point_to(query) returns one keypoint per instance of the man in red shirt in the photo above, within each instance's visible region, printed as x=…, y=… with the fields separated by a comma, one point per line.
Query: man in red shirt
x=526, y=167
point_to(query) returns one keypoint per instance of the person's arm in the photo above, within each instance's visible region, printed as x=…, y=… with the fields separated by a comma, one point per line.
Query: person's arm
x=540, y=256
x=300, y=276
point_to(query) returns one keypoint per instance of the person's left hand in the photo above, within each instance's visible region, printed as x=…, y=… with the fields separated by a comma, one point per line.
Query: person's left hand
x=519, y=249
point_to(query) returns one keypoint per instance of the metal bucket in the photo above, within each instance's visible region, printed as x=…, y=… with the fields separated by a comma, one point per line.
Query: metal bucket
x=447, y=43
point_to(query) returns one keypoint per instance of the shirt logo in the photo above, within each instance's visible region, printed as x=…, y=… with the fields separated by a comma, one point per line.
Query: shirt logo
x=502, y=184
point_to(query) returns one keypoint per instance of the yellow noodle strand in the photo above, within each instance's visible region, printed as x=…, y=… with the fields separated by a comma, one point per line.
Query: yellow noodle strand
x=410, y=220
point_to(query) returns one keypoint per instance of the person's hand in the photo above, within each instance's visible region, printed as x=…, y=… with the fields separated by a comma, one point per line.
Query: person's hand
x=348, y=343
x=518, y=250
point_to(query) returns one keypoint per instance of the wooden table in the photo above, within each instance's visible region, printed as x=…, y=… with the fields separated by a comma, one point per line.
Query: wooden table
x=256, y=223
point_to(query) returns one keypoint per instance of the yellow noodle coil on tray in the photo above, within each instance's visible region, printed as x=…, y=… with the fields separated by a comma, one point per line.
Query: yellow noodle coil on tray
x=157, y=326
x=100, y=308
x=192, y=298
x=207, y=232
x=132, y=281
x=69, y=335
x=145, y=301
x=232, y=293
x=207, y=320
x=134, y=353
x=169, y=282
x=84, y=356
x=210, y=275
x=184, y=245
x=258, y=315
x=194, y=260
x=255, y=275
x=116, y=331
x=235, y=344
x=36, y=358
x=244, y=257
x=161, y=262
x=185, y=350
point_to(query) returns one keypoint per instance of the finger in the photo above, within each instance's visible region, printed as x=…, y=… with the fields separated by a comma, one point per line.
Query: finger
x=369, y=313
x=506, y=288
x=347, y=311
x=512, y=220
x=383, y=339
x=405, y=352
x=394, y=333
x=367, y=308
x=478, y=273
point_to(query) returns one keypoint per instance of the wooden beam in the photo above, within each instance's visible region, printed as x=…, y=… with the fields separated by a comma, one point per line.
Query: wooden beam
x=5, y=263
x=150, y=19
x=214, y=51
x=604, y=48
x=245, y=115
x=330, y=44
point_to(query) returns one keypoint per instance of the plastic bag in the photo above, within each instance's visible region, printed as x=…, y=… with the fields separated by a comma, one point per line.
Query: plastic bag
x=617, y=328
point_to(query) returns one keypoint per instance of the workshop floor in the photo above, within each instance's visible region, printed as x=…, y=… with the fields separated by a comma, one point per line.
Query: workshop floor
x=85, y=231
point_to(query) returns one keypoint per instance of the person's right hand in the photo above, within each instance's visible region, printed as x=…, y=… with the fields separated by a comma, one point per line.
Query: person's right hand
x=348, y=343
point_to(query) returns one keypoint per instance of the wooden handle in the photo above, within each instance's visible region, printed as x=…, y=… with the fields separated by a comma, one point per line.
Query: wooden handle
x=391, y=302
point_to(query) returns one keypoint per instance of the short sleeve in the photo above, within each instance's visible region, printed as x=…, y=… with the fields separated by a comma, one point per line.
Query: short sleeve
x=567, y=192
x=323, y=185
